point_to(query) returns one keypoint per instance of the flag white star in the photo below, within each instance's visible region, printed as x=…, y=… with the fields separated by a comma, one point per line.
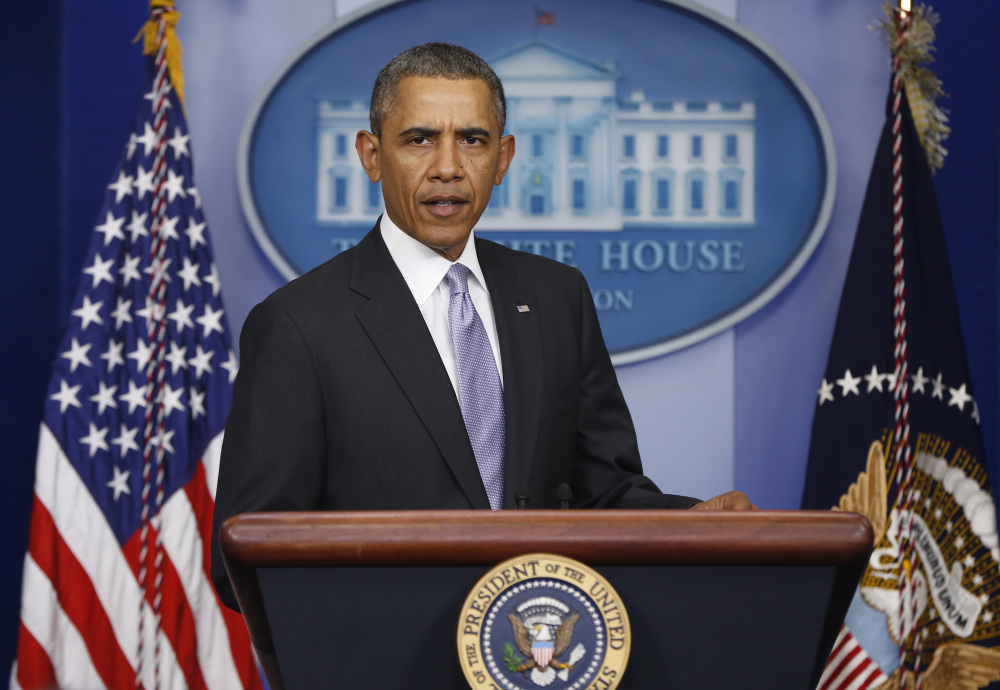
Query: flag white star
x=189, y=274
x=100, y=271
x=213, y=279
x=130, y=269
x=148, y=139
x=919, y=381
x=169, y=228
x=95, y=439
x=195, y=233
x=987, y=616
x=975, y=411
x=111, y=228
x=196, y=400
x=181, y=315
x=143, y=183
x=174, y=186
x=77, y=355
x=153, y=311
x=66, y=396
x=122, y=187
x=969, y=561
x=890, y=379
x=171, y=399
x=179, y=143
x=130, y=147
x=88, y=313
x=874, y=380
x=122, y=312
x=137, y=226
x=136, y=396
x=232, y=366
x=113, y=354
x=938, y=384
x=959, y=397
x=165, y=438
x=165, y=91
x=126, y=440
x=849, y=384
x=196, y=195
x=158, y=269
x=210, y=320
x=983, y=598
x=141, y=354
x=105, y=397
x=119, y=482
x=938, y=514
x=177, y=357
x=977, y=579
x=959, y=541
x=825, y=392
x=948, y=525
x=201, y=361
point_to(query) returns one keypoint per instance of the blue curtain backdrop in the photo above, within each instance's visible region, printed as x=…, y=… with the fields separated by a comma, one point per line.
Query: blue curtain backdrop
x=70, y=77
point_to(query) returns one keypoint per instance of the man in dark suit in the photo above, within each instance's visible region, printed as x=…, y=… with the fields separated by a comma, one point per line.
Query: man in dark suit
x=356, y=391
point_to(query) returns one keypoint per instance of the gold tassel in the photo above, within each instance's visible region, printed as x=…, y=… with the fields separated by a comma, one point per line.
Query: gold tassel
x=175, y=53
x=922, y=86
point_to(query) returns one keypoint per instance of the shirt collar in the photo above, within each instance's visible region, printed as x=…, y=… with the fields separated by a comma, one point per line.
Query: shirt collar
x=423, y=268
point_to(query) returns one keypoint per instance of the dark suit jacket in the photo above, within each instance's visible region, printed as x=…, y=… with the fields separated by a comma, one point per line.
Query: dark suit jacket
x=342, y=401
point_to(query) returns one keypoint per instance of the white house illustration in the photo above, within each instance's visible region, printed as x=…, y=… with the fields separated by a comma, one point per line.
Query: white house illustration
x=585, y=159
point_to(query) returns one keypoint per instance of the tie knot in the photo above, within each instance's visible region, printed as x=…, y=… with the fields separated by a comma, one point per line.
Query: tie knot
x=458, y=279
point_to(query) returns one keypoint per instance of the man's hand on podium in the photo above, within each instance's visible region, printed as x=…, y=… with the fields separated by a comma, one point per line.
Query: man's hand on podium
x=731, y=500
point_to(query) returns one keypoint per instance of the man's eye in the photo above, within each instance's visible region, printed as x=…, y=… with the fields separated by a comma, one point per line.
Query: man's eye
x=472, y=141
x=419, y=140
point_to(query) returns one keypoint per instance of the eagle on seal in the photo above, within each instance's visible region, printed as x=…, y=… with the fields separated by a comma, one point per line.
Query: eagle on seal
x=541, y=650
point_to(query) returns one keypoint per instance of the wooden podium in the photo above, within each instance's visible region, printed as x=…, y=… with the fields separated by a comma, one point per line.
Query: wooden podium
x=373, y=599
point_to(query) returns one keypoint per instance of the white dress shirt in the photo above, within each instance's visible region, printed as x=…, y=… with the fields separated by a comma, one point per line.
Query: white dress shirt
x=423, y=270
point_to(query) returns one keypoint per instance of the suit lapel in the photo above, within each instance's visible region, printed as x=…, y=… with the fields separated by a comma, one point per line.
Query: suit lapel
x=393, y=322
x=520, y=352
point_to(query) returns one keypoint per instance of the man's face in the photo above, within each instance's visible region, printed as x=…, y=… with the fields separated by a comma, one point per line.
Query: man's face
x=438, y=157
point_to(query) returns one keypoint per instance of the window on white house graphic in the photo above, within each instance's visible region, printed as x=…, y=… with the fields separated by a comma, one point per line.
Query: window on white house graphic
x=630, y=192
x=579, y=195
x=696, y=145
x=341, y=145
x=731, y=186
x=732, y=150
x=663, y=189
x=628, y=146
x=663, y=146
x=577, y=147
x=339, y=178
x=696, y=192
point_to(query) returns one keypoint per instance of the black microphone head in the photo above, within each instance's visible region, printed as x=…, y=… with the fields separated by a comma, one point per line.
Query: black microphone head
x=564, y=494
x=521, y=500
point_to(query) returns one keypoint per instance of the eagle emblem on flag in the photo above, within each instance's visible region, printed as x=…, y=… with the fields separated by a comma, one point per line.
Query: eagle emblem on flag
x=543, y=632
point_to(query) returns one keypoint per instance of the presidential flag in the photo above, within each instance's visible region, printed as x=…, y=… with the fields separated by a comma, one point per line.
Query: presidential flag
x=896, y=432
x=116, y=590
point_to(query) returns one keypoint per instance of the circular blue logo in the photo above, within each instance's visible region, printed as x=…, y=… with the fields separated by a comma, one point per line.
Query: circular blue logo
x=676, y=160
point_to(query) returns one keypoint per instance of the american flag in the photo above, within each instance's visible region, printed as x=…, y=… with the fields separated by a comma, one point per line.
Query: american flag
x=116, y=590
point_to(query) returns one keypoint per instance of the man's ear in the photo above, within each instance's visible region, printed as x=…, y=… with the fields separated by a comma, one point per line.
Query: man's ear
x=506, y=155
x=367, y=145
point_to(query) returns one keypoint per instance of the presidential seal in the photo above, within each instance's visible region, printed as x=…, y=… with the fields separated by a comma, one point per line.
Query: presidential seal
x=541, y=620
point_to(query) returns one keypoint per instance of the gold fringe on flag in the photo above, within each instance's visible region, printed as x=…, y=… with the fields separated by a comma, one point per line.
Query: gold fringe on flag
x=922, y=86
x=175, y=53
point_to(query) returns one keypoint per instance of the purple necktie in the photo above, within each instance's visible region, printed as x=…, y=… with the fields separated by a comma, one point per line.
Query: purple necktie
x=479, y=392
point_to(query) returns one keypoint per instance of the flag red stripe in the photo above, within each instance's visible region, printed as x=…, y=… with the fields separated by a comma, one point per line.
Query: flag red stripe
x=78, y=598
x=835, y=674
x=34, y=668
x=177, y=619
x=239, y=640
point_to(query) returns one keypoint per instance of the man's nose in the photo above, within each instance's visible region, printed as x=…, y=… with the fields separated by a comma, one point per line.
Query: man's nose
x=447, y=163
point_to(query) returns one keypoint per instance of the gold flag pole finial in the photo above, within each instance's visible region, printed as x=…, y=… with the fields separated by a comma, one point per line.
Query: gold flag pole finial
x=165, y=10
x=915, y=50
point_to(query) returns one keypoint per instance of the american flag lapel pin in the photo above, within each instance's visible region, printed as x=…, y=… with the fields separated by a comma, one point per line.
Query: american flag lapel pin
x=522, y=308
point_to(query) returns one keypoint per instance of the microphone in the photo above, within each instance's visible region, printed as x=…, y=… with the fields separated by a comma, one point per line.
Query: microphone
x=564, y=493
x=521, y=500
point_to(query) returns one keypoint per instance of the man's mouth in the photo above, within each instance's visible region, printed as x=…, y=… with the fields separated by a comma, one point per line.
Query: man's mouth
x=444, y=205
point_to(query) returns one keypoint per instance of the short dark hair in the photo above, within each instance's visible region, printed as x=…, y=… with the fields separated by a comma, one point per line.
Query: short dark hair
x=433, y=60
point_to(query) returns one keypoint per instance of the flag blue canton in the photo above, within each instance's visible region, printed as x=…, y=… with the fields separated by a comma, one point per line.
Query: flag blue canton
x=97, y=397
